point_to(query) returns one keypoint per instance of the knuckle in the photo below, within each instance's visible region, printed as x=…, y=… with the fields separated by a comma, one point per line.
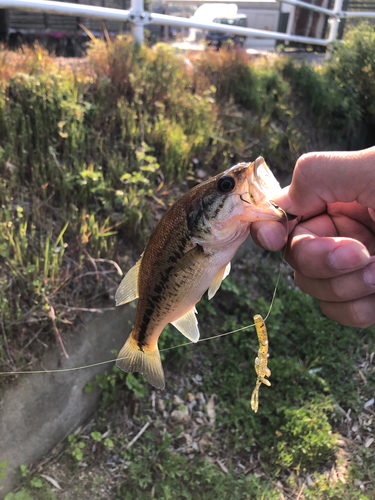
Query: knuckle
x=304, y=165
x=300, y=256
x=362, y=312
x=358, y=313
x=338, y=291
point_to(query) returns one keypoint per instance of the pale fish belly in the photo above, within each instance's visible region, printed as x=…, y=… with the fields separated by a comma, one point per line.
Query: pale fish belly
x=198, y=280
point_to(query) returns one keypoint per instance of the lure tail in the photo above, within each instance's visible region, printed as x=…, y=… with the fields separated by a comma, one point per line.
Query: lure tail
x=147, y=362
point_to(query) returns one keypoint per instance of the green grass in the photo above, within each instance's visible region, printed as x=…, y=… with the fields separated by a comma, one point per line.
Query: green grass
x=313, y=365
x=296, y=436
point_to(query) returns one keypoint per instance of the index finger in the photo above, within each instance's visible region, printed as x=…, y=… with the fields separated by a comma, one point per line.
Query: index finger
x=321, y=178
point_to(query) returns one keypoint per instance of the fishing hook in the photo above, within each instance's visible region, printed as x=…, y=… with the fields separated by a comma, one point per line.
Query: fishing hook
x=244, y=200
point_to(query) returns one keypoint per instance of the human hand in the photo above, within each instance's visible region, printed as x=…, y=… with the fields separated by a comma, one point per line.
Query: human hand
x=332, y=247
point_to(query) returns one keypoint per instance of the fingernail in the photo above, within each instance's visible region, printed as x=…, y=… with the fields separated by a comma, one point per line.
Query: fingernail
x=369, y=274
x=272, y=236
x=263, y=240
x=348, y=256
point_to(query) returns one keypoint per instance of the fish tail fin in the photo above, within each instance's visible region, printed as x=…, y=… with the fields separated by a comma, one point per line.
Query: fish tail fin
x=147, y=362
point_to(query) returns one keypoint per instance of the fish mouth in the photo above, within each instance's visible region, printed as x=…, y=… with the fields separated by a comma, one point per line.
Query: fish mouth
x=265, y=179
x=258, y=187
x=270, y=187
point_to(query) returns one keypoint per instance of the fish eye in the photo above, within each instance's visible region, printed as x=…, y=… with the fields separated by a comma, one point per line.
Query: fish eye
x=226, y=184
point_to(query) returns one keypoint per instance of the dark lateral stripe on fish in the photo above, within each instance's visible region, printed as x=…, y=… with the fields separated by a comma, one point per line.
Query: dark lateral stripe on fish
x=151, y=305
x=141, y=337
x=194, y=220
x=208, y=202
x=219, y=207
x=195, y=224
x=182, y=244
x=176, y=256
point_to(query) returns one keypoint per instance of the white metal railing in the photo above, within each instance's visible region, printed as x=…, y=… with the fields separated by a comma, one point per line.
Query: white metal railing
x=139, y=18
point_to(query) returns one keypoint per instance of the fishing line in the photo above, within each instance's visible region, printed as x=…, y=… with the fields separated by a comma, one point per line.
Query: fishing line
x=61, y=370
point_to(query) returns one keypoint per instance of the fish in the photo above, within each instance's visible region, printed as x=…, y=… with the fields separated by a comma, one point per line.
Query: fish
x=188, y=253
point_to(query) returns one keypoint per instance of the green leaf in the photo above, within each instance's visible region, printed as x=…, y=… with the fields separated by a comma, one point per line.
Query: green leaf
x=36, y=482
x=108, y=443
x=96, y=436
x=24, y=470
x=23, y=495
x=20, y=495
x=4, y=465
x=89, y=387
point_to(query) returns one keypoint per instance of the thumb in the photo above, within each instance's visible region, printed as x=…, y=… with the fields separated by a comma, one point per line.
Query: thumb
x=321, y=178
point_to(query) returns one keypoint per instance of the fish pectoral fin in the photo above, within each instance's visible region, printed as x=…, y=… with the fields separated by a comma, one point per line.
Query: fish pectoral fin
x=128, y=289
x=188, y=325
x=189, y=259
x=132, y=359
x=215, y=285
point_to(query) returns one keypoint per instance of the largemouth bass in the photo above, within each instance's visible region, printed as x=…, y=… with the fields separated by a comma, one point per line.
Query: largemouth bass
x=189, y=252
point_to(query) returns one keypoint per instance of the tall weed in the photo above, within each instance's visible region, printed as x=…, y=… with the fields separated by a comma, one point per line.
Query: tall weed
x=150, y=91
x=352, y=67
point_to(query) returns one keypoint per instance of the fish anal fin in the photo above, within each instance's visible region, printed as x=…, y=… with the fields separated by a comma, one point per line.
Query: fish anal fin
x=189, y=259
x=147, y=362
x=128, y=289
x=188, y=325
x=215, y=285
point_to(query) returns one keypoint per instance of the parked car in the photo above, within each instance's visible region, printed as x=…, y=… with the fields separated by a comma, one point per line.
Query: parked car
x=217, y=38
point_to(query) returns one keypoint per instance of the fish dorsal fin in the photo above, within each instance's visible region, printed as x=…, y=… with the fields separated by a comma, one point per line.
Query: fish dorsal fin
x=215, y=285
x=188, y=325
x=128, y=289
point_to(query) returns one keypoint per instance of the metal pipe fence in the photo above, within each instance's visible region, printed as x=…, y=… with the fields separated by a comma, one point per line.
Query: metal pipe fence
x=138, y=17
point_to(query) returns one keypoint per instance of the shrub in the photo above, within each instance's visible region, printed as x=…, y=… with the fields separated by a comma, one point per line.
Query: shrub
x=306, y=440
x=335, y=111
x=352, y=67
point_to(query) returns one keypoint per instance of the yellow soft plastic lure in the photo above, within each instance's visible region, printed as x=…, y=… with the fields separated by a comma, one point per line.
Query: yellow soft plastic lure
x=261, y=361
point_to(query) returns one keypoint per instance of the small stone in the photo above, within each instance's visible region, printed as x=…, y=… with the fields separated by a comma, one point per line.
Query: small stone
x=204, y=443
x=180, y=416
x=190, y=397
x=201, y=397
x=177, y=401
x=368, y=403
x=199, y=420
x=369, y=442
x=193, y=406
x=189, y=439
x=160, y=405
